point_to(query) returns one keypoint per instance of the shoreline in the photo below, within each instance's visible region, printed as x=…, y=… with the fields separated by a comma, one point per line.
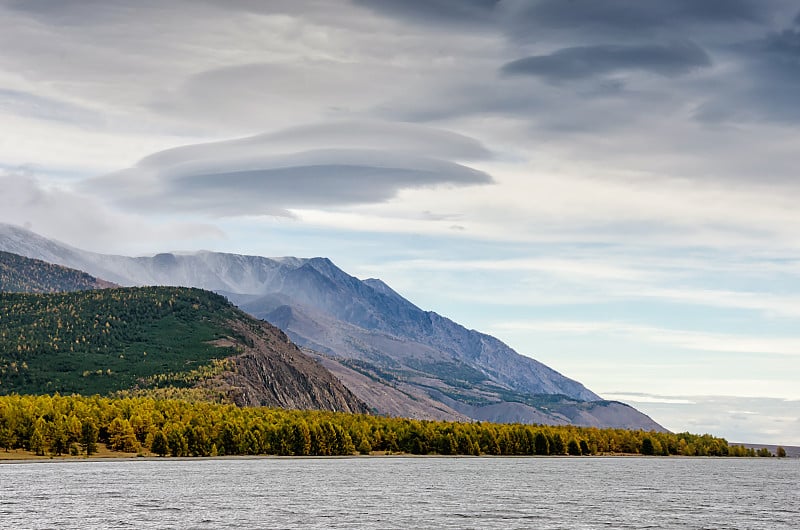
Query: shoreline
x=25, y=457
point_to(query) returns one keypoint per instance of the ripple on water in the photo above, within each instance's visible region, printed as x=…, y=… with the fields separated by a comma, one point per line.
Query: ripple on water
x=404, y=492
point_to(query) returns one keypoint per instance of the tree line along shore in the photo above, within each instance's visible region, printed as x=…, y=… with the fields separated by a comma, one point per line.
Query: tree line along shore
x=77, y=425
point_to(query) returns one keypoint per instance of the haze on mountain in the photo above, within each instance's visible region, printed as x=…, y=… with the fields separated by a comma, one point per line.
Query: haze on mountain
x=396, y=357
x=148, y=339
x=24, y=275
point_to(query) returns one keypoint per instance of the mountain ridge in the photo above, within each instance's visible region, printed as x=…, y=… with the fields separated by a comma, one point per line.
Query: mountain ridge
x=392, y=342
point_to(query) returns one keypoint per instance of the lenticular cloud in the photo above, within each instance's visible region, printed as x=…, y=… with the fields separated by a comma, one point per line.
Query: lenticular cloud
x=310, y=166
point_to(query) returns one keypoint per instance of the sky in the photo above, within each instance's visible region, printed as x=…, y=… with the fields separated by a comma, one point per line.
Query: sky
x=609, y=187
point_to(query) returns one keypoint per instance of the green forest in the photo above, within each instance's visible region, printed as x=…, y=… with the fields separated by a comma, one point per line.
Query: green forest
x=97, y=342
x=75, y=425
x=146, y=348
x=19, y=274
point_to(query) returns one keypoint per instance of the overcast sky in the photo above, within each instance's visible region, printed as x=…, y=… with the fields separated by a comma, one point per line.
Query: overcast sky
x=610, y=187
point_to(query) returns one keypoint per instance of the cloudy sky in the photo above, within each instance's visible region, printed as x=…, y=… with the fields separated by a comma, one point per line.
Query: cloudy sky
x=610, y=187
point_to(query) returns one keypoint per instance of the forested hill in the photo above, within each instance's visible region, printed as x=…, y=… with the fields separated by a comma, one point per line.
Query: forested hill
x=19, y=274
x=98, y=342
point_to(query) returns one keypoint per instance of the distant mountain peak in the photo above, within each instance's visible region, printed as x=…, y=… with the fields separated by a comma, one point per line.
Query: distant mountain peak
x=382, y=287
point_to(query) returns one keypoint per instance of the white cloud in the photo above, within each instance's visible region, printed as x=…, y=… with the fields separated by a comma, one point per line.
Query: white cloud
x=647, y=398
x=768, y=303
x=687, y=340
x=84, y=221
x=758, y=420
x=585, y=275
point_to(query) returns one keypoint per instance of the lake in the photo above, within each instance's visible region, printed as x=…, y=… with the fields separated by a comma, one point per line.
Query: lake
x=398, y=492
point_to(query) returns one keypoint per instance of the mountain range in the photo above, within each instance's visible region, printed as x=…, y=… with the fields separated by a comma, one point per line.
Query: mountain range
x=397, y=358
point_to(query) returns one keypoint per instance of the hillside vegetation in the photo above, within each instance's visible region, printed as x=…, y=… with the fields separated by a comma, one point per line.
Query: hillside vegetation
x=96, y=342
x=19, y=274
x=77, y=424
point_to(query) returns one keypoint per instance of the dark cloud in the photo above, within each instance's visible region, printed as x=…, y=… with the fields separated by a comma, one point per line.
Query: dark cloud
x=590, y=41
x=268, y=174
x=765, y=85
x=783, y=46
x=544, y=110
x=635, y=15
x=531, y=20
x=83, y=13
x=188, y=71
x=588, y=61
x=271, y=190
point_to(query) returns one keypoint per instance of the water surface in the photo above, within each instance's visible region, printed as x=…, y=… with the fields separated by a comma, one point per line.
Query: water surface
x=403, y=493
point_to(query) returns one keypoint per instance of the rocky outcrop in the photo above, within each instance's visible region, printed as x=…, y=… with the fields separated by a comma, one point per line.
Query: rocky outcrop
x=271, y=371
x=390, y=398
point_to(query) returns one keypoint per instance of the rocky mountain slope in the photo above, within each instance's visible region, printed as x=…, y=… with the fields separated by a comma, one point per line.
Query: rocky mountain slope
x=152, y=338
x=391, y=354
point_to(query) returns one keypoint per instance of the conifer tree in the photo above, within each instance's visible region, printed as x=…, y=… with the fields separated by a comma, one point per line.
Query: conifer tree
x=89, y=434
x=159, y=446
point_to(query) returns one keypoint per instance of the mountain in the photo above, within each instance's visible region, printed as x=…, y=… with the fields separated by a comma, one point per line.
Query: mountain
x=25, y=275
x=148, y=338
x=396, y=357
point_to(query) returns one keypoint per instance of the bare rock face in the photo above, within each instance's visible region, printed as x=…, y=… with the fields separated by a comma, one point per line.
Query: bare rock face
x=271, y=371
x=390, y=398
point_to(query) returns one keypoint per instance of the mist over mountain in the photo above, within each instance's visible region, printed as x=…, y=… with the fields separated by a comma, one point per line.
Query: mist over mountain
x=19, y=274
x=394, y=356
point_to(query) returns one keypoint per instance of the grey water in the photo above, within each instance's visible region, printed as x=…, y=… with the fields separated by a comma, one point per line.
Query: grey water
x=399, y=492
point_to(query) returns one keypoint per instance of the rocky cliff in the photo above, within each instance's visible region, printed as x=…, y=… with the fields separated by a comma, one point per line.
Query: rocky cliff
x=270, y=370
